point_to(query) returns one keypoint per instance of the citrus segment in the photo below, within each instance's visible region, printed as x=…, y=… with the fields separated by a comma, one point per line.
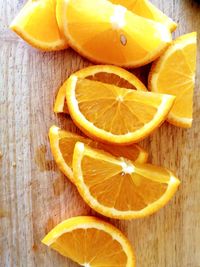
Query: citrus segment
x=119, y=188
x=103, y=73
x=91, y=242
x=113, y=114
x=36, y=24
x=63, y=142
x=174, y=73
x=104, y=32
x=146, y=9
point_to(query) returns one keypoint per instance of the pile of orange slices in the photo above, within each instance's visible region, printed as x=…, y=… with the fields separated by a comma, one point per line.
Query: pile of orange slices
x=113, y=111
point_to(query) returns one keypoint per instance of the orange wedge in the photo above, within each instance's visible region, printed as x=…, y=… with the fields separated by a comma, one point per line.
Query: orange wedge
x=91, y=242
x=174, y=73
x=103, y=73
x=104, y=32
x=115, y=115
x=36, y=24
x=119, y=188
x=63, y=142
x=146, y=9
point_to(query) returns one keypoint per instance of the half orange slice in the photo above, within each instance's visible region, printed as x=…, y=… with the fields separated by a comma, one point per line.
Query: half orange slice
x=104, y=33
x=119, y=188
x=91, y=242
x=115, y=115
x=102, y=73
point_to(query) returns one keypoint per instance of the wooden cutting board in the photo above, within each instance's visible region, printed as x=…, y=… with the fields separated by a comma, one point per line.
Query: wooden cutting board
x=35, y=196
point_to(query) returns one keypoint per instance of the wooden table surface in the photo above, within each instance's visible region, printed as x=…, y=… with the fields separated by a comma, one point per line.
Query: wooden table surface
x=35, y=196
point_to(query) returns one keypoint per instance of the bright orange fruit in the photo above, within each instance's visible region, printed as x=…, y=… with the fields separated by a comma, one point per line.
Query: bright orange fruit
x=119, y=188
x=36, y=23
x=104, y=32
x=91, y=242
x=174, y=73
x=113, y=114
x=103, y=73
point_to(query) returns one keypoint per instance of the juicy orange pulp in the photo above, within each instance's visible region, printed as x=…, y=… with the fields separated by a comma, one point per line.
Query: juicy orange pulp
x=119, y=188
x=113, y=114
x=146, y=9
x=63, y=142
x=91, y=242
x=104, y=33
x=174, y=73
x=36, y=23
x=103, y=73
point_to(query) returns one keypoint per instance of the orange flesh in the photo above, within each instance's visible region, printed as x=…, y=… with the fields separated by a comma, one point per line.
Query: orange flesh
x=91, y=246
x=37, y=24
x=182, y=75
x=67, y=144
x=111, y=78
x=60, y=105
x=113, y=188
x=146, y=9
x=96, y=30
x=116, y=110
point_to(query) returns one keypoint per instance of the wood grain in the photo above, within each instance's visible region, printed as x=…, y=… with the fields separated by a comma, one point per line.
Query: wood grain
x=35, y=196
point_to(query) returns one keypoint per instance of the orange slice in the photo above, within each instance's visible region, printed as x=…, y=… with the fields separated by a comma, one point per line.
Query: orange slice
x=104, y=32
x=36, y=24
x=63, y=142
x=146, y=9
x=113, y=114
x=174, y=73
x=91, y=242
x=103, y=73
x=119, y=188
